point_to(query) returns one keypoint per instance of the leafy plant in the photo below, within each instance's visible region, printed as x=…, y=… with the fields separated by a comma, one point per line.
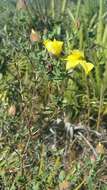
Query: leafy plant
x=36, y=89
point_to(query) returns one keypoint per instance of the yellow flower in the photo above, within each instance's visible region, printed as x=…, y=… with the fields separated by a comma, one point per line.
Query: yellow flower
x=54, y=47
x=87, y=66
x=77, y=57
x=73, y=59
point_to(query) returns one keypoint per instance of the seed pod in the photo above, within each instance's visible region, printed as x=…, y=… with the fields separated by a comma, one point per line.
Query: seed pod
x=21, y=4
x=49, y=67
x=100, y=148
x=78, y=24
x=34, y=36
x=12, y=110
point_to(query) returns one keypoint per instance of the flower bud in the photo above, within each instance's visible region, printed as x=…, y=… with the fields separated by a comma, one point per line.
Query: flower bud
x=12, y=110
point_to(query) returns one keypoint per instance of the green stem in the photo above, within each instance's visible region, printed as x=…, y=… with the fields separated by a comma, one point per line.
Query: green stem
x=100, y=107
x=88, y=103
x=53, y=9
x=78, y=9
x=100, y=22
x=64, y=3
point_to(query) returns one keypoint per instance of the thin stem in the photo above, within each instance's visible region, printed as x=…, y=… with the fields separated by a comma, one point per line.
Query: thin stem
x=100, y=108
x=64, y=3
x=88, y=143
x=53, y=9
x=78, y=9
x=80, y=185
x=88, y=94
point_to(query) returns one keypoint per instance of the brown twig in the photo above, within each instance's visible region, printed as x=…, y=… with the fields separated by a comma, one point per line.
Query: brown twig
x=89, y=144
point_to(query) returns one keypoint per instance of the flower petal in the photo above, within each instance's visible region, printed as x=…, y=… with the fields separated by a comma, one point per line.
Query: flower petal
x=71, y=64
x=75, y=55
x=78, y=54
x=54, y=47
x=87, y=66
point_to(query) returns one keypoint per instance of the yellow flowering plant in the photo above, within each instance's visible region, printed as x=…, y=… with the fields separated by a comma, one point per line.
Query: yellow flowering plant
x=77, y=58
x=54, y=47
